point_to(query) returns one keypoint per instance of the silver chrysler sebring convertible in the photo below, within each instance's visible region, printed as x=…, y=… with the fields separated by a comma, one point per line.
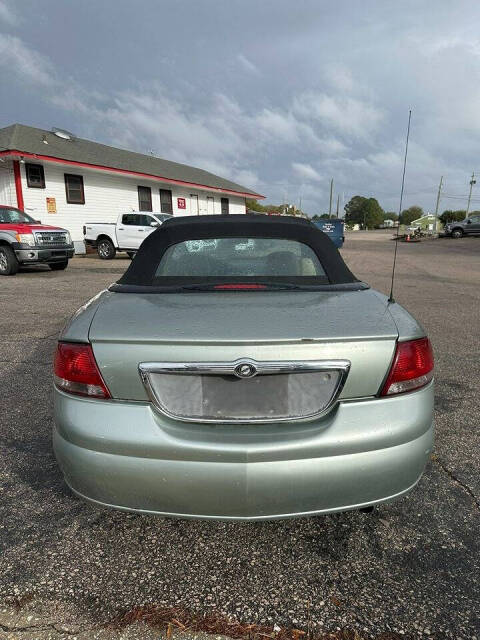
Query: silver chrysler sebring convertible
x=238, y=370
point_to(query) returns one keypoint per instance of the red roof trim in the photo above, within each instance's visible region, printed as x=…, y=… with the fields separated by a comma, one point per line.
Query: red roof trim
x=74, y=163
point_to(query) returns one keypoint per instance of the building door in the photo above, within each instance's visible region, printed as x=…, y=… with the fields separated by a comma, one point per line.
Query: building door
x=210, y=205
x=225, y=206
x=194, y=204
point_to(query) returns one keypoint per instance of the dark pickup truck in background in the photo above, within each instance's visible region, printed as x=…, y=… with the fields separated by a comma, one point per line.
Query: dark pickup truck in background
x=469, y=226
x=24, y=240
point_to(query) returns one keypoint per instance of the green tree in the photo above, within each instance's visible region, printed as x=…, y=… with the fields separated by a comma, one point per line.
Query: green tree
x=373, y=213
x=289, y=209
x=412, y=213
x=353, y=210
x=390, y=215
x=452, y=216
x=253, y=205
x=364, y=211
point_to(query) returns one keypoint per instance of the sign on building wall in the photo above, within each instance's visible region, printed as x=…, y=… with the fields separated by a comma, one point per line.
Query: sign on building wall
x=51, y=205
x=181, y=203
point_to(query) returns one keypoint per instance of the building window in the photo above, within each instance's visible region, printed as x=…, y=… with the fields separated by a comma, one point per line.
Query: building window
x=166, y=201
x=225, y=210
x=35, y=176
x=74, y=189
x=144, y=199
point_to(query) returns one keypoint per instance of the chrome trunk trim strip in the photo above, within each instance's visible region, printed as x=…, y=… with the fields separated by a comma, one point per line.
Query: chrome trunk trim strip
x=255, y=368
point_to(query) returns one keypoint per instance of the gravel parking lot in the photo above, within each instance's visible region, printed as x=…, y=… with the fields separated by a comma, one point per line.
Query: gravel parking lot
x=410, y=568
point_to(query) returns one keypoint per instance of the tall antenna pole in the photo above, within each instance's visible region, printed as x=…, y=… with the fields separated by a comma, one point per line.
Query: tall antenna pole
x=338, y=203
x=331, y=196
x=391, y=298
x=472, y=182
x=438, y=201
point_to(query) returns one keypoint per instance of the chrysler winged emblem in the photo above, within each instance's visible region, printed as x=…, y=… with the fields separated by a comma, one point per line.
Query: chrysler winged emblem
x=245, y=370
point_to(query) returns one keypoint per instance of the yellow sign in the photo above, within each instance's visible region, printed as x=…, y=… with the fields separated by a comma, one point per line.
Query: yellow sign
x=51, y=205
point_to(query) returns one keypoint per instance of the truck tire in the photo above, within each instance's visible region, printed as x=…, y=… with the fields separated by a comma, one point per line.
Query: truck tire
x=8, y=261
x=457, y=233
x=58, y=266
x=105, y=249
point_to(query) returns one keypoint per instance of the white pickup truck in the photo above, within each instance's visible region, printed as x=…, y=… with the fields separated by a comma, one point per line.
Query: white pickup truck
x=126, y=234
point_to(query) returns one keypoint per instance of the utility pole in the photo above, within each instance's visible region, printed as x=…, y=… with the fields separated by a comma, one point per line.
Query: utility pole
x=338, y=203
x=472, y=182
x=331, y=196
x=438, y=202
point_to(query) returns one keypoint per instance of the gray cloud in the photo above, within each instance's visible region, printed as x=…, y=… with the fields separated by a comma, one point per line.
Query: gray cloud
x=277, y=95
x=7, y=14
x=247, y=64
x=30, y=65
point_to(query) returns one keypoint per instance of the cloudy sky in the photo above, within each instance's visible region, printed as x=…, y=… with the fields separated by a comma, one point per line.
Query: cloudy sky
x=278, y=95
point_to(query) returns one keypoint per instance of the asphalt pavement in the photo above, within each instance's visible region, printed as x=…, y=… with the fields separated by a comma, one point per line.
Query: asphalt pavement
x=410, y=569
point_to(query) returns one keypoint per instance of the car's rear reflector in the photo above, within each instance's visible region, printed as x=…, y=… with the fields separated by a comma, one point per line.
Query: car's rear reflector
x=76, y=371
x=234, y=286
x=412, y=367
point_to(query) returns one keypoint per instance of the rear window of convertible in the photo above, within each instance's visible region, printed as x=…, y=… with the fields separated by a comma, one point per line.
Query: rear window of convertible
x=248, y=258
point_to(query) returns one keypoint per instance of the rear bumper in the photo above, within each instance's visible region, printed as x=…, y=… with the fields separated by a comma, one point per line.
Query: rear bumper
x=124, y=456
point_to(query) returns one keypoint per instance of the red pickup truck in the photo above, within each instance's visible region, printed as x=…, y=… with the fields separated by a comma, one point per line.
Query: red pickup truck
x=24, y=240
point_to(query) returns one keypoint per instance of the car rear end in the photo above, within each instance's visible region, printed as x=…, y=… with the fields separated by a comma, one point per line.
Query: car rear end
x=243, y=403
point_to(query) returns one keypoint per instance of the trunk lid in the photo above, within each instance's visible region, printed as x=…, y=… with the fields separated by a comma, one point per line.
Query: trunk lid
x=269, y=316
x=225, y=326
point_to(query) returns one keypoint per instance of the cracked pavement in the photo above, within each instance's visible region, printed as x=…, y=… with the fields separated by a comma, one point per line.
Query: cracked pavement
x=410, y=568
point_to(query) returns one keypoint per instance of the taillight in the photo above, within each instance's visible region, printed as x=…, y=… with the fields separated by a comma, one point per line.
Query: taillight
x=75, y=371
x=412, y=367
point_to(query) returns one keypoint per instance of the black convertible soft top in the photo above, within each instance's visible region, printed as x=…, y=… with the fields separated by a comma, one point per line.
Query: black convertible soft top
x=141, y=272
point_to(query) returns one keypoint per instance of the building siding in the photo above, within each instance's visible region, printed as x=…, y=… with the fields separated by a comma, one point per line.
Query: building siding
x=106, y=196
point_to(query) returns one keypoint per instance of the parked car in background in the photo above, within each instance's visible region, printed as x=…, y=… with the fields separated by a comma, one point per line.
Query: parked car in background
x=213, y=381
x=126, y=234
x=469, y=226
x=334, y=228
x=25, y=241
